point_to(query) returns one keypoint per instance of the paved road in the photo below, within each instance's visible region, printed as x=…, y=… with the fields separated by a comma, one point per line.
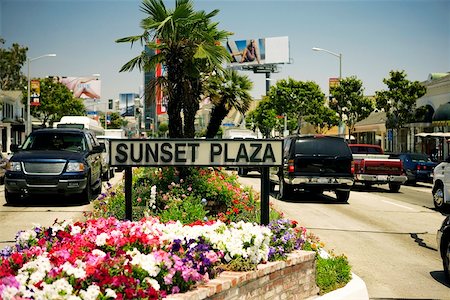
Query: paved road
x=390, y=239
x=42, y=211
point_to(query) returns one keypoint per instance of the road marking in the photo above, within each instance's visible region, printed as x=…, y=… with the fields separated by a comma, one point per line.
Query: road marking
x=399, y=205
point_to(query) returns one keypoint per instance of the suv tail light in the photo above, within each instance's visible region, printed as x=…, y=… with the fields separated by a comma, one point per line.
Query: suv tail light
x=352, y=167
x=291, y=167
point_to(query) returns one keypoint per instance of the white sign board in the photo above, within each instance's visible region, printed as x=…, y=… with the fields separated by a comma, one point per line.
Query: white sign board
x=195, y=152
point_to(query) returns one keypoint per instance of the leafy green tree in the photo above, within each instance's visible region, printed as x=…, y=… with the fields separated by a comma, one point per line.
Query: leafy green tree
x=117, y=122
x=11, y=63
x=297, y=100
x=56, y=101
x=350, y=103
x=323, y=119
x=188, y=44
x=263, y=117
x=162, y=129
x=399, y=101
x=226, y=91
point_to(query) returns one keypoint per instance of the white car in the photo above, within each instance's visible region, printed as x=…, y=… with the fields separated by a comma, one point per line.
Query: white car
x=441, y=185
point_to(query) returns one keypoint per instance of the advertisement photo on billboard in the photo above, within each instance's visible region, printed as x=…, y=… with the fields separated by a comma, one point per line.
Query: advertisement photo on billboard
x=260, y=51
x=88, y=87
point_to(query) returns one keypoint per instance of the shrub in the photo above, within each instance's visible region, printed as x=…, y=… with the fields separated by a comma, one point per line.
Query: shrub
x=332, y=273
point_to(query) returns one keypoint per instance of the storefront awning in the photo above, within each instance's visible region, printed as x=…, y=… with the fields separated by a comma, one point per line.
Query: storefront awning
x=433, y=134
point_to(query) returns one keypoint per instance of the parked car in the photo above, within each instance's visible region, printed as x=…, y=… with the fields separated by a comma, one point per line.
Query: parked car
x=314, y=163
x=417, y=166
x=55, y=161
x=441, y=185
x=239, y=133
x=443, y=242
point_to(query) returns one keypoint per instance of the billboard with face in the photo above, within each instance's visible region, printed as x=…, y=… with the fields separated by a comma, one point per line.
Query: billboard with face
x=262, y=51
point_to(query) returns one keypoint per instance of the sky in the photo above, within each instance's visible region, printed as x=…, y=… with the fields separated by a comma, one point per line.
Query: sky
x=373, y=37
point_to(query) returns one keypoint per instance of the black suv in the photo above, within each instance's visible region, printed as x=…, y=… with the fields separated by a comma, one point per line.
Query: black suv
x=55, y=161
x=315, y=163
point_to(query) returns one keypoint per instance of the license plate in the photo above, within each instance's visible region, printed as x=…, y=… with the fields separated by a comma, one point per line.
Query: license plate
x=382, y=177
x=323, y=180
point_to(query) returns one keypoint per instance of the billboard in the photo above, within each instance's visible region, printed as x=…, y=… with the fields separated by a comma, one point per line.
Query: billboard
x=274, y=50
x=88, y=87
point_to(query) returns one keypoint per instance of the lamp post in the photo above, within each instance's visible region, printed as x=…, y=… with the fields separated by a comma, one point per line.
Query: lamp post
x=28, y=125
x=334, y=54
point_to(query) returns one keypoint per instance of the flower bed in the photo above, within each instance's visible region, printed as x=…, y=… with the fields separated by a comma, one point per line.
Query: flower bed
x=108, y=258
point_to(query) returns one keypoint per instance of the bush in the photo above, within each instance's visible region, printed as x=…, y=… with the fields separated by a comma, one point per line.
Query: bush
x=332, y=273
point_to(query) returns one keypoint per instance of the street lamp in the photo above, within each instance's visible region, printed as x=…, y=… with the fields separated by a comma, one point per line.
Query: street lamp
x=334, y=54
x=28, y=125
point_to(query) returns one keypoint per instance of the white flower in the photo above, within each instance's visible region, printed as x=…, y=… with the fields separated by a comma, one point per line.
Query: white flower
x=153, y=283
x=24, y=236
x=145, y=261
x=98, y=252
x=91, y=293
x=75, y=230
x=100, y=240
x=77, y=271
x=110, y=293
x=9, y=292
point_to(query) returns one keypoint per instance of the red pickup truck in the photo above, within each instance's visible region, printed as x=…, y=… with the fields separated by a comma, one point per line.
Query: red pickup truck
x=372, y=167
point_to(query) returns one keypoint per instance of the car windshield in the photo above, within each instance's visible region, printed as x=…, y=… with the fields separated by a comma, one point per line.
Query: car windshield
x=420, y=158
x=322, y=147
x=55, y=141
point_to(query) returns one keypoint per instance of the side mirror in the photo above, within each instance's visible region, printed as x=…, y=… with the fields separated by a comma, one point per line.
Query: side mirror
x=14, y=148
x=98, y=149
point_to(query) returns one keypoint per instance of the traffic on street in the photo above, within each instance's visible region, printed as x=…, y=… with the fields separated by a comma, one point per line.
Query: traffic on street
x=389, y=238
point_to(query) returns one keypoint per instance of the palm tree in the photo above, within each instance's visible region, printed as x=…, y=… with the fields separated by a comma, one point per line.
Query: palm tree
x=188, y=44
x=227, y=91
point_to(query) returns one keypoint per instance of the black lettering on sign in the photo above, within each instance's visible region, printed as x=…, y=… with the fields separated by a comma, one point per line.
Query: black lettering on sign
x=227, y=159
x=242, y=153
x=153, y=153
x=268, y=153
x=193, y=150
x=139, y=154
x=180, y=153
x=216, y=149
x=121, y=155
x=166, y=155
x=256, y=148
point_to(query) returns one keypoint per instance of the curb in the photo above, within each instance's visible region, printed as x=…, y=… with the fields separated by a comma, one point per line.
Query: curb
x=354, y=290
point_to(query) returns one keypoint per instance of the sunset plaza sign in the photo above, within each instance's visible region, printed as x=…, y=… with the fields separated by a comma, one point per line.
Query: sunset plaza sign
x=262, y=153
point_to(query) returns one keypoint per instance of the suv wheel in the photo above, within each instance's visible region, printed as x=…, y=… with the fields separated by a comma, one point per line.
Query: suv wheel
x=11, y=198
x=394, y=187
x=438, y=196
x=285, y=189
x=342, y=196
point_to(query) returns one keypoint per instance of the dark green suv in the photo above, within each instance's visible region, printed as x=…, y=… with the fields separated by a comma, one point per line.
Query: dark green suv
x=314, y=163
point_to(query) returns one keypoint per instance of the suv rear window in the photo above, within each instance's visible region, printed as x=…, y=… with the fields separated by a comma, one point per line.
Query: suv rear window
x=322, y=146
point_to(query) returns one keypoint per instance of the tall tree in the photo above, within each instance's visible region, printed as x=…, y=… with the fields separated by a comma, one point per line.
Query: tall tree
x=11, y=63
x=399, y=101
x=188, y=44
x=226, y=91
x=296, y=100
x=350, y=103
x=56, y=101
x=263, y=117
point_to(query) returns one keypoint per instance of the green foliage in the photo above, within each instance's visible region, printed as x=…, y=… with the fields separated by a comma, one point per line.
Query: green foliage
x=239, y=264
x=349, y=101
x=226, y=90
x=117, y=122
x=56, y=101
x=399, y=101
x=186, y=210
x=188, y=43
x=11, y=62
x=263, y=117
x=332, y=273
